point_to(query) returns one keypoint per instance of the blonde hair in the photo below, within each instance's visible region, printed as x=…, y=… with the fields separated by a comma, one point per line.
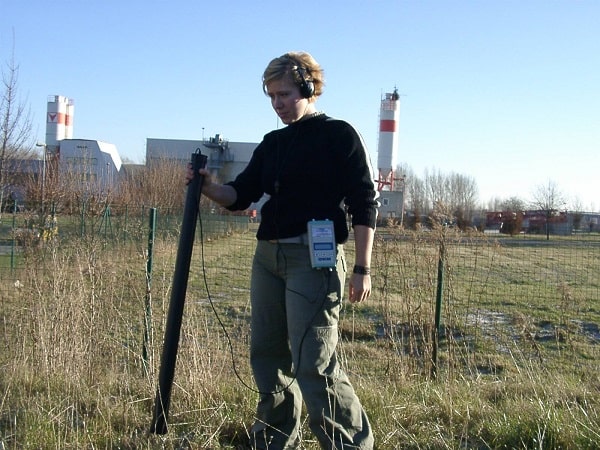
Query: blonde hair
x=288, y=65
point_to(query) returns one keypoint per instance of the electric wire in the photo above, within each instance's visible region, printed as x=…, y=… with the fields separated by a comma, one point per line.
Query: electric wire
x=226, y=333
x=214, y=309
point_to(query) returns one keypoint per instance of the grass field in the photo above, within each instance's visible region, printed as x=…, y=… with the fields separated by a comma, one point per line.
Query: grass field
x=518, y=350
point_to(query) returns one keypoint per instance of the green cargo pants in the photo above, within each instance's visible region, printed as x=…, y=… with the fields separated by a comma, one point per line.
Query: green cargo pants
x=295, y=313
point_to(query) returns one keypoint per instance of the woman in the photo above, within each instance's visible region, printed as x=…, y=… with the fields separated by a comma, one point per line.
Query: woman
x=316, y=168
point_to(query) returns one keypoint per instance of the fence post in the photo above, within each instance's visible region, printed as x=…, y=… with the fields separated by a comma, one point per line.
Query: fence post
x=148, y=300
x=105, y=221
x=438, y=309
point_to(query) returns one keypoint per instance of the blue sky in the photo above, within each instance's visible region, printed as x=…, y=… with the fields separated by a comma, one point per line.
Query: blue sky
x=506, y=92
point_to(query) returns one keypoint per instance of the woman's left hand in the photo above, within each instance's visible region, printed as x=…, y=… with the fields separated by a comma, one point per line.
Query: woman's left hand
x=360, y=287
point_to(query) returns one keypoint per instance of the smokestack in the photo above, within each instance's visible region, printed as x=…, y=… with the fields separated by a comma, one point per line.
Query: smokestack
x=387, y=150
x=59, y=121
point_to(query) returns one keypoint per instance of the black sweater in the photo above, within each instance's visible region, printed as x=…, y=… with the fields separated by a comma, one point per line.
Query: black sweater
x=310, y=169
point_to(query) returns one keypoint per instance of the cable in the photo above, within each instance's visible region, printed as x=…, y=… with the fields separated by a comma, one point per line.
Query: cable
x=228, y=338
x=210, y=301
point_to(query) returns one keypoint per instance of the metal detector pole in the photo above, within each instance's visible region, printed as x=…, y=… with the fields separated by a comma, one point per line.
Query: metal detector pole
x=180, y=280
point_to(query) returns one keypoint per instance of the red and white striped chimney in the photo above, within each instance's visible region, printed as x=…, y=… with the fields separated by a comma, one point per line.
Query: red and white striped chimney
x=59, y=121
x=387, y=149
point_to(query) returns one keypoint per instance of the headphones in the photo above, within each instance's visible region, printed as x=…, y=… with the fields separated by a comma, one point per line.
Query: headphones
x=307, y=87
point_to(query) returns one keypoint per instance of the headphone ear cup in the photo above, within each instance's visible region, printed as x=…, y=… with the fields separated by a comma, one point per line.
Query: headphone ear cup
x=307, y=87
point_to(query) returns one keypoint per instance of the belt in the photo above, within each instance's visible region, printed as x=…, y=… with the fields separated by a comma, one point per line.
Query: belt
x=301, y=239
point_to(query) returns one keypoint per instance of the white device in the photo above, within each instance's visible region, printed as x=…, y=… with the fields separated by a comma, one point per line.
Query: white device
x=321, y=243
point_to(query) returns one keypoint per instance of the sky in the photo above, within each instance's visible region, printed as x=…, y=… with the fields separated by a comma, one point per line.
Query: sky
x=505, y=92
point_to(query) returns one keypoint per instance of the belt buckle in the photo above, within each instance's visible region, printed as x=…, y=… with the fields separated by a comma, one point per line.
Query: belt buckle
x=301, y=239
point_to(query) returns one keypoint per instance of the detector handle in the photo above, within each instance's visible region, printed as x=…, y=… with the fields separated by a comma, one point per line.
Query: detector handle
x=178, y=291
x=198, y=162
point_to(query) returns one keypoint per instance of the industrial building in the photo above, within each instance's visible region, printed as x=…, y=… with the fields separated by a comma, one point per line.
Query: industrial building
x=93, y=164
x=225, y=159
x=97, y=163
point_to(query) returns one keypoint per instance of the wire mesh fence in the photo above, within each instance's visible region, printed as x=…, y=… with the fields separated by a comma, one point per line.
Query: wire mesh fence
x=500, y=296
x=492, y=291
x=84, y=295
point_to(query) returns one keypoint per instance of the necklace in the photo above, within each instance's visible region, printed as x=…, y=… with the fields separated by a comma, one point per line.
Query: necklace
x=311, y=115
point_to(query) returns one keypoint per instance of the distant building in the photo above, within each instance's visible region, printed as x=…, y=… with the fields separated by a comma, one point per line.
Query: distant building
x=562, y=223
x=225, y=159
x=391, y=206
x=20, y=170
x=96, y=163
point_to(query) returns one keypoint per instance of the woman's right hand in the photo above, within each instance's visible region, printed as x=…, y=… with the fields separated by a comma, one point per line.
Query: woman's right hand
x=224, y=195
x=189, y=175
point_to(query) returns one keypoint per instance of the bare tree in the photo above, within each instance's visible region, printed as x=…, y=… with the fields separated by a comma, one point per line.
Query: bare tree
x=414, y=197
x=549, y=199
x=455, y=192
x=513, y=204
x=578, y=209
x=15, y=127
x=158, y=184
x=436, y=188
x=416, y=194
x=462, y=198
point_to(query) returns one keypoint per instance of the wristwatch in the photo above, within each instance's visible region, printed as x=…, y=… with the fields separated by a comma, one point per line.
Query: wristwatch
x=361, y=270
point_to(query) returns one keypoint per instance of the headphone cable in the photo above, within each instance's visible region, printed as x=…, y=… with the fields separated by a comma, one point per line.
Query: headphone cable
x=227, y=336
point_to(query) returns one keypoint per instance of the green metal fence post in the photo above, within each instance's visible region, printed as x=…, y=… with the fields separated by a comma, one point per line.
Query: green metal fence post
x=106, y=221
x=438, y=310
